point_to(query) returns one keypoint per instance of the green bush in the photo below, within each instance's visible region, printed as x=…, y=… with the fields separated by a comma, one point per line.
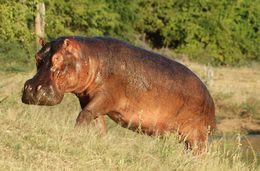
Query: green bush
x=16, y=35
x=220, y=32
x=217, y=32
x=80, y=17
x=14, y=57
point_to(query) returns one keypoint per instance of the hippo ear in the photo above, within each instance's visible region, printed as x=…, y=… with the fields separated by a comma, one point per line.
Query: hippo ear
x=66, y=43
x=42, y=41
x=69, y=44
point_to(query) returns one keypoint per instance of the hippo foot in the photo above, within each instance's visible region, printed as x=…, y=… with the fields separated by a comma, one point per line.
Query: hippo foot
x=84, y=117
x=99, y=122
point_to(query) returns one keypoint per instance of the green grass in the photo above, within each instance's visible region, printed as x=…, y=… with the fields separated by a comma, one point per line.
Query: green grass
x=44, y=138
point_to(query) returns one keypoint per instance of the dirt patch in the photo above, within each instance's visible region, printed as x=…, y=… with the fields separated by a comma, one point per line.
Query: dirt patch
x=239, y=125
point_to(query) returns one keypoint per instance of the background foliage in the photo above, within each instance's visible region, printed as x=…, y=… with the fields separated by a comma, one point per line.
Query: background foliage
x=217, y=32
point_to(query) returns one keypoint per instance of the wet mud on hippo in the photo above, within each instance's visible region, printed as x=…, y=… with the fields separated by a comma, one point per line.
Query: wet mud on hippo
x=134, y=87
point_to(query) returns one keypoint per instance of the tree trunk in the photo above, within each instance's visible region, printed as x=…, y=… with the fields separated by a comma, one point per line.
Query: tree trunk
x=39, y=23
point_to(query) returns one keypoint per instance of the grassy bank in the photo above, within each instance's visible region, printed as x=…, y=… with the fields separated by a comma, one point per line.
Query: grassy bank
x=44, y=138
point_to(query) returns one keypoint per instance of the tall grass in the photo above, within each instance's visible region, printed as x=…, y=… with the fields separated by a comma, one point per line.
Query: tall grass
x=44, y=138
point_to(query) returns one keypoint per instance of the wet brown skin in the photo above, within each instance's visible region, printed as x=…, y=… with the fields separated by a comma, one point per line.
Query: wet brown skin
x=136, y=88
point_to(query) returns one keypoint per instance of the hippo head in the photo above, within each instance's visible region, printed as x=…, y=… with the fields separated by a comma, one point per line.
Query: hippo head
x=58, y=66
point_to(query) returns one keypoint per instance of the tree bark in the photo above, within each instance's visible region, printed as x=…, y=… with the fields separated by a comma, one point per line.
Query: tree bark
x=39, y=23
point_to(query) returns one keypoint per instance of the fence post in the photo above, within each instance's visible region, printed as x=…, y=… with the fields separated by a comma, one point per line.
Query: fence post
x=39, y=23
x=209, y=75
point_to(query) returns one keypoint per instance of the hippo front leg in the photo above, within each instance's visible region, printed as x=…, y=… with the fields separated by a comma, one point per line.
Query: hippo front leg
x=85, y=116
x=95, y=108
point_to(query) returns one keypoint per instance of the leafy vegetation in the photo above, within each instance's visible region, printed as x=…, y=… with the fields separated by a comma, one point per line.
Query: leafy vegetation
x=217, y=32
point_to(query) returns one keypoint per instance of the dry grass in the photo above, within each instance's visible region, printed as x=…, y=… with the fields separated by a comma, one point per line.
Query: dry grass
x=239, y=84
x=235, y=86
x=236, y=92
x=44, y=138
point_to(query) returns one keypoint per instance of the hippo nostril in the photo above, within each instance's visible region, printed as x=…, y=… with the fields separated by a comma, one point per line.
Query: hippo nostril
x=39, y=87
x=25, y=87
x=30, y=88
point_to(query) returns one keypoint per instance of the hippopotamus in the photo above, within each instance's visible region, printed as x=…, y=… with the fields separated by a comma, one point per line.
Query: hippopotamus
x=138, y=89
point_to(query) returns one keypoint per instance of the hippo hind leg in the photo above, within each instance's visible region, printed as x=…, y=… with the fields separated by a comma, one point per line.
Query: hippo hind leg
x=195, y=138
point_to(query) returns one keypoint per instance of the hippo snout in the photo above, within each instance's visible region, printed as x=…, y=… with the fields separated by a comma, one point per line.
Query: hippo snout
x=38, y=94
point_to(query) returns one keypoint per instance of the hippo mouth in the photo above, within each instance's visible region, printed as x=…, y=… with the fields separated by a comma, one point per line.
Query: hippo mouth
x=39, y=95
x=44, y=100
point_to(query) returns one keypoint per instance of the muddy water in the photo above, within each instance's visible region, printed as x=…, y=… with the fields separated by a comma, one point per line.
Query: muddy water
x=248, y=144
x=252, y=140
x=251, y=147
